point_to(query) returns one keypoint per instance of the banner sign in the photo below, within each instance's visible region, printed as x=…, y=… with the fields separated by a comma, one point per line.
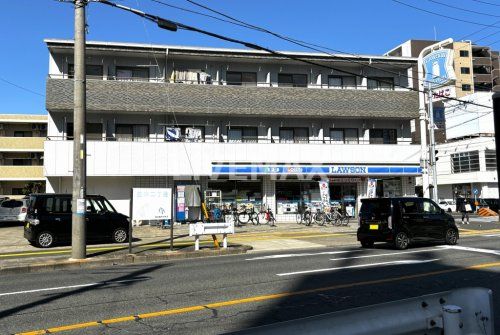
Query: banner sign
x=345, y=170
x=371, y=191
x=345, y=180
x=151, y=203
x=324, y=192
x=438, y=67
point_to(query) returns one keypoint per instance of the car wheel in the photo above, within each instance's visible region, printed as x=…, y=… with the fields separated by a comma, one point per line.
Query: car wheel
x=45, y=239
x=451, y=236
x=402, y=240
x=367, y=243
x=120, y=235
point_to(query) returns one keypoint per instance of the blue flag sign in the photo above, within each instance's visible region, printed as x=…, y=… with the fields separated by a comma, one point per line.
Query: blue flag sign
x=438, y=67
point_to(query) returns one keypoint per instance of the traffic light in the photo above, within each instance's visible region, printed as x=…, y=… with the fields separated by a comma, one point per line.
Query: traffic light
x=436, y=158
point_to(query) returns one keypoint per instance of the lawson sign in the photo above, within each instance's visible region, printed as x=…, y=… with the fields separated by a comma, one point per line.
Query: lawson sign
x=438, y=67
x=343, y=170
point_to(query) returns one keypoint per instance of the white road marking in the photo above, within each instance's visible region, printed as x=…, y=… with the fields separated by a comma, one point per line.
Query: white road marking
x=491, y=235
x=402, y=262
x=68, y=287
x=301, y=255
x=390, y=254
x=484, y=251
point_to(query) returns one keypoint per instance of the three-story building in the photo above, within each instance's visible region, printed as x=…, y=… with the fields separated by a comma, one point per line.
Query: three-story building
x=260, y=128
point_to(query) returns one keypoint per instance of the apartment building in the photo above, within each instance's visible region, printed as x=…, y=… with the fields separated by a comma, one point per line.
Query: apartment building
x=260, y=128
x=21, y=152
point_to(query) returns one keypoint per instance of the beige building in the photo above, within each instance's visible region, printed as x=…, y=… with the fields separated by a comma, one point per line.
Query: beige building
x=21, y=152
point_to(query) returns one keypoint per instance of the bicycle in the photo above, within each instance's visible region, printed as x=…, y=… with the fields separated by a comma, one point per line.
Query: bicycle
x=341, y=218
x=303, y=216
x=267, y=217
x=319, y=217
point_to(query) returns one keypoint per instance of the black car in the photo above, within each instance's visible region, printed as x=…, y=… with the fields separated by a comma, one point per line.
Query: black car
x=402, y=221
x=48, y=220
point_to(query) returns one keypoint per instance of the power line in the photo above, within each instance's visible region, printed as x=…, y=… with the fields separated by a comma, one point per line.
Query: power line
x=173, y=25
x=445, y=16
x=487, y=3
x=463, y=9
x=21, y=87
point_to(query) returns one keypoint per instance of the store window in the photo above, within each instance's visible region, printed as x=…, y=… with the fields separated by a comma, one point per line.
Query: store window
x=344, y=82
x=241, y=78
x=294, y=135
x=132, y=132
x=389, y=187
x=291, y=196
x=292, y=80
x=381, y=83
x=238, y=191
x=465, y=161
x=344, y=195
x=242, y=135
x=491, y=160
x=126, y=73
x=344, y=135
x=383, y=136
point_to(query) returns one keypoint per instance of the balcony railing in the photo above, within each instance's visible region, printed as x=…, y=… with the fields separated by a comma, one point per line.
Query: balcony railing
x=21, y=143
x=21, y=172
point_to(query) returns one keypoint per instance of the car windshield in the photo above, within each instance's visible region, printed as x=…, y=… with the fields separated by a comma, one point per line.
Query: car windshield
x=103, y=205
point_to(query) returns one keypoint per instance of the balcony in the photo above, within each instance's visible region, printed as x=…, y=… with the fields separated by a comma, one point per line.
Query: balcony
x=32, y=144
x=482, y=78
x=21, y=172
x=161, y=97
x=188, y=159
x=485, y=61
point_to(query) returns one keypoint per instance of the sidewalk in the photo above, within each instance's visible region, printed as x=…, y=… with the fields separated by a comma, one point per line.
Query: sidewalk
x=153, y=244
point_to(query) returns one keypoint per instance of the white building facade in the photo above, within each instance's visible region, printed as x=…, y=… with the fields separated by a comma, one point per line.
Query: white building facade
x=259, y=128
x=467, y=161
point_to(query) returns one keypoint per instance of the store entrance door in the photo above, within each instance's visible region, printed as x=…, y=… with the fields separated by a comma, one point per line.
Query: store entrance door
x=344, y=195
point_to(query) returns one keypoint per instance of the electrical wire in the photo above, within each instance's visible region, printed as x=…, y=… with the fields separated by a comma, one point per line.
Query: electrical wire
x=21, y=87
x=445, y=16
x=463, y=9
x=487, y=3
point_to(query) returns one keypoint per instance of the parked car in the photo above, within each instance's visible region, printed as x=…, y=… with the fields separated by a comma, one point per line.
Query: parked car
x=48, y=220
x=12, y=210
x=448, y=205
x=402, y=221
x=493, y=203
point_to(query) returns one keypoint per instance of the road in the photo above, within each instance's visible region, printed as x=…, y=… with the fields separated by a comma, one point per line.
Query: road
x=217, y=295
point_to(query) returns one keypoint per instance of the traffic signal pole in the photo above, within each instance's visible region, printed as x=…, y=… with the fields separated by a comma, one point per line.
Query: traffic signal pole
x=432, y=146
x=78, y=241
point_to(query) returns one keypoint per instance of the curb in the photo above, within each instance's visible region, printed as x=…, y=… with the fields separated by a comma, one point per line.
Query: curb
x=121, y=260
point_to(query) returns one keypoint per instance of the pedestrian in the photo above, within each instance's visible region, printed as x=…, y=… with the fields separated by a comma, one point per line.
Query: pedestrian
x=462, y=208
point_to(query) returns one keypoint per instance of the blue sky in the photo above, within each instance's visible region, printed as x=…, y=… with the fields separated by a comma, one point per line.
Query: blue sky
x=363, y=26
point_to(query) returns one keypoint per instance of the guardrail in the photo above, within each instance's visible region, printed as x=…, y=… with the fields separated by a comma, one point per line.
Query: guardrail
x=458, y=312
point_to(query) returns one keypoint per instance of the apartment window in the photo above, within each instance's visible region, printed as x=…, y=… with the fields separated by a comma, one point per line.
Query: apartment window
x=465, y=87
x=94, y=131
x=91, y=71
x=381, y=83
x=383, y=136
x=465, y=70
x=464, y=53
x=491, y=160
x=132, y=132
x=21, y=162
x=465, y=161
x=344, y=135
x=345, y=82
x=294, y=135
x=242, y=135
x=292, y=80
x=241, y=78
x=132, y=73
x=20, y=133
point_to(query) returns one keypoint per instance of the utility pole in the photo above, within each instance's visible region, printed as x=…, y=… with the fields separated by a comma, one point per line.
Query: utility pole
x=78, y=241
x=432, y=146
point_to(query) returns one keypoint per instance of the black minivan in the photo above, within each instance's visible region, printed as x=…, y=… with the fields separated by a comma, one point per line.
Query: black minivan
x=402, y=221
x=48, y=220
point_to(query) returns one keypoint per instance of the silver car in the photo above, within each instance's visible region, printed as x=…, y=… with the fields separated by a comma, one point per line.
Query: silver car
x=13, y=210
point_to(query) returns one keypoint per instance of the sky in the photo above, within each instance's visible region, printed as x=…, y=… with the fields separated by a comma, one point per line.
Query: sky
x=359, y=27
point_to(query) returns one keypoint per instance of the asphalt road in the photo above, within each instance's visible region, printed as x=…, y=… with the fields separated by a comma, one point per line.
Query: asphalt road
x=217, y=295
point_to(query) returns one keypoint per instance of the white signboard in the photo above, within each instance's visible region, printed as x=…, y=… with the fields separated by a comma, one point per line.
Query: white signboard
x=151, y=203
x=438, y=66
x=196, y=229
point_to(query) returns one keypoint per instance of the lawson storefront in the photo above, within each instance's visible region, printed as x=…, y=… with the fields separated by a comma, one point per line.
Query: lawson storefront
x=285, y=187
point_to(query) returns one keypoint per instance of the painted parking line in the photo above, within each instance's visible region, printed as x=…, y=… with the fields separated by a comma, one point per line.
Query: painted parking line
x=400, y=262
x=253, y=299
x=60, y=288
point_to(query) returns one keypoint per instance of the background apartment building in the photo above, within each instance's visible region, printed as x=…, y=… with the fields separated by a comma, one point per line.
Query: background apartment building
x=21, y=152
x=260, y=128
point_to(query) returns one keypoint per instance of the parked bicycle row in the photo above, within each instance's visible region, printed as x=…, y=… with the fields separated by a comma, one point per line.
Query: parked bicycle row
x=329, y=215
